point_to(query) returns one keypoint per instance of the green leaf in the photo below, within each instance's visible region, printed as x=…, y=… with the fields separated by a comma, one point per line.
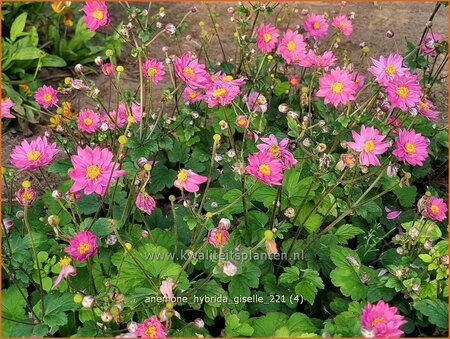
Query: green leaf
x=18, y=26
x=179, y=153
x=162, y=177
x=291, y=274
x=347, y=232
x=56, y=304
x=28, y=53
x=369, y=211
x=102, y=227
x=50, y=60
x=13, y=307
x=406, y=195
x=266, y=326
x=308, y=285
x=60, y=167
x=88, y=204
x=300, y=323
x=280, y=87
x=436, y=310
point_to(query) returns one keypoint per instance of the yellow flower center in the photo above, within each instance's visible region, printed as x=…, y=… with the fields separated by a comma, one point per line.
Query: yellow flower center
x=264, y=169
x=337, y=87
x=98, y=14
x=27, y=195
x=291, y=45
x=33, y=155
x=93, y=172
x=378, y=320
x=390, y=69
x=220, y=92
x=423, y=105
x=218, y=237
x=349, y=160
x=65, y=261
x=434, y=208
x=227, y=78
x=151, y=72
x=343, y=25
x=182, y=175
x=242, y=122
x=275, y=150
x=188, y=71
x=267, y=37
x=410, y=148
x=150, y=331
x=47, y=97
x=402, y=91
x=316, y=25
x=87, y=121
x=83, y=247
x=193, y=95
x=369, y=146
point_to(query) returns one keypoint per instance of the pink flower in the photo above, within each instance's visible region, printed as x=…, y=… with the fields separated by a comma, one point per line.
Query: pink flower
x=411, y=147
x=311, y=59
x=191, y=71
x=36, y=154
x=278, y=150
x=151, y=328
x=218, y=237
x=46, y=96
x=386, y=69
x=266, y=37
x=391, y=214
x=294, y=80
x=242, y=121
x=342, y=23
x=96, y=14
x=381, y=321
x=220, y=94
x=292, y=47
x=229, y=269
x=316, y=26
x=426, y=108
x=191, y=95
x=166, y=288
x=189, y=180
x=108, y=69
x=263, y=166
x=428, y=46
x=6, y=108
x=93, y=170
x=136, y=111
x=436, y=208
x=120, y=118
x=256, y=102
x=221, y=78
x=404, y=91
x=82, y=246
x=66, y=270
x=358, y=78
x=88, y=121
x=153, y=70
x=145, y=202
x=26, y=196
x=368, y=144
x=337, y=87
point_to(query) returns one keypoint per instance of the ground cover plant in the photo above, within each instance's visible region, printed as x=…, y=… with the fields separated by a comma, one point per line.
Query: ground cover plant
x=288, y=191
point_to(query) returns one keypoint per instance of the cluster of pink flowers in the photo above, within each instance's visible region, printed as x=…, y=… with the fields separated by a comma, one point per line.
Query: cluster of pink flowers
x=216, y=89
x=381, y=321
x=272, y=159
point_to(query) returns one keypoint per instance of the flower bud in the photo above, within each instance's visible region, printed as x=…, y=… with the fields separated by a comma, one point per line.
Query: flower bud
x=390, y=34
x=106, y=317
x=53, y=220
x=78, y=68
x=307, y=142
x=9, y=224
x=132, y=326
x=144, y=233
x=198, y=323
x=98, y=61
x=56, y=194
x=111, y=239
x=224, y=224
x=289, y=212
x=413, y=232
x=88, y=301
x=141, y=162
x=20, y=214
x=229, y=269
x=170, y=29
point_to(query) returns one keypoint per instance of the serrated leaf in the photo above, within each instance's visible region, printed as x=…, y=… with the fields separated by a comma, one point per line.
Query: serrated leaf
x=347, y=232
x=436, y=310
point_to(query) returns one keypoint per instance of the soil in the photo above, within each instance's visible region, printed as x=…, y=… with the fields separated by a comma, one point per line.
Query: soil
x=372, y=20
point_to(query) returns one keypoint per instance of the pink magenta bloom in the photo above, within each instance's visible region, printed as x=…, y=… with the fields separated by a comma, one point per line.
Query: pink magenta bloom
x=368, y=144
x=386, y=69
x=66, y=270
x=411, y=147
x=166, y=288
x=221, y=94
x=218, y=237
x=242, y=121
x=151, y=328
x=108, y=69
x=46, y=96
x=88, y=121
x=266, y=37
x=189, y=180
x=294, y=80
x=278, y=150
x=191, y=71
x=191, y=95
x=316, y=26
x=256, y=102
x=292, y=47
x=93, y=170
x=426, y=108
x=120, y=118
x=337, y=87
x=96, y=14
x=381, y=321
x=343, y=24
x=26, y=196
x=6, y=108
x=32, y=155
x=391, y=214
x=263, y=166
x=404, y=91
x=428, y=46
x=221, y=78
x=82, y=246
x=153, y=70
x=436, y=208
x=145, y=202
x=358, y=78
x=136, y=111
x=311, y=59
